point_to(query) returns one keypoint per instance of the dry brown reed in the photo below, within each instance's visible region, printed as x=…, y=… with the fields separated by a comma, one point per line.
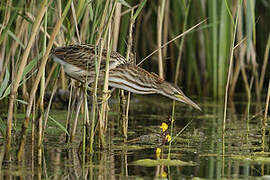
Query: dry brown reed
x=37, y=80
x=15, y=84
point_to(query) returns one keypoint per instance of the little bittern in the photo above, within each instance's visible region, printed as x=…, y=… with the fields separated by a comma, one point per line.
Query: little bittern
x=79, y=63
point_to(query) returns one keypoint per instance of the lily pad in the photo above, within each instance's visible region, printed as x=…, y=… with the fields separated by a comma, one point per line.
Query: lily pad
x=166, y=162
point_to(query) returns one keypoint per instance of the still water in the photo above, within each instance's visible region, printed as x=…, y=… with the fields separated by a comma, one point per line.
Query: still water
x=197, y=148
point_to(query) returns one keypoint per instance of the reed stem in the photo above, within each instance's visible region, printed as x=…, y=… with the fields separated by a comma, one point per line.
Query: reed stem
x=40, y=72
x=264, y=121
x=228, y=80
x=15, y=84
x=160, y=17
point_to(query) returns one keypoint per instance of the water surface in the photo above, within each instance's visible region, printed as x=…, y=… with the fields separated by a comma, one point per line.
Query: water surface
x=199, y=146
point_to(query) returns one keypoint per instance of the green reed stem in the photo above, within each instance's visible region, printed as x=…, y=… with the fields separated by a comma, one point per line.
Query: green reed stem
x=97, y=66
x=178, y=62
x=125, y=119
x=265, y=61
x=171, y=130
x=42, y=92
x=264, y=121
x=94, y=104
x=104, y=106
x=161, y=10
x=228, y=80
x=85, y=120
x=213, y=19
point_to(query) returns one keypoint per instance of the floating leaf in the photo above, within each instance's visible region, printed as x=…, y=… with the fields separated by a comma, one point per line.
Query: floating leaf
x=166, y=162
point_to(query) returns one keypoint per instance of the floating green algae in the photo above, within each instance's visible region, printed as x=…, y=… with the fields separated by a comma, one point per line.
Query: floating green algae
x=252, y=159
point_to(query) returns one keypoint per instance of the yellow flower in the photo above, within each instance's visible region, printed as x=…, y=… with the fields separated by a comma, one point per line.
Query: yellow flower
x=164, y=174
x=158, y=151
x=164, y=127
x=168, y=138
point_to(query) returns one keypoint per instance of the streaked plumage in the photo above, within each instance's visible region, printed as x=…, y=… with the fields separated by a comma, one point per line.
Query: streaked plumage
x=79, y=63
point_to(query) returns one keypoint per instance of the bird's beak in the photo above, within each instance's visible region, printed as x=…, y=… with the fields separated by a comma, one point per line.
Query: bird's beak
x=185, y=99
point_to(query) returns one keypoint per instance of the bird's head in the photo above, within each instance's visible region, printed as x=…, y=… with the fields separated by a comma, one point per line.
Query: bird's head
x=174, y=92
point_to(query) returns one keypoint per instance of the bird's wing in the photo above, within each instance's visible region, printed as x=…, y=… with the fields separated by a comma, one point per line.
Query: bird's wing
x=136, y=74
x=84, y=56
